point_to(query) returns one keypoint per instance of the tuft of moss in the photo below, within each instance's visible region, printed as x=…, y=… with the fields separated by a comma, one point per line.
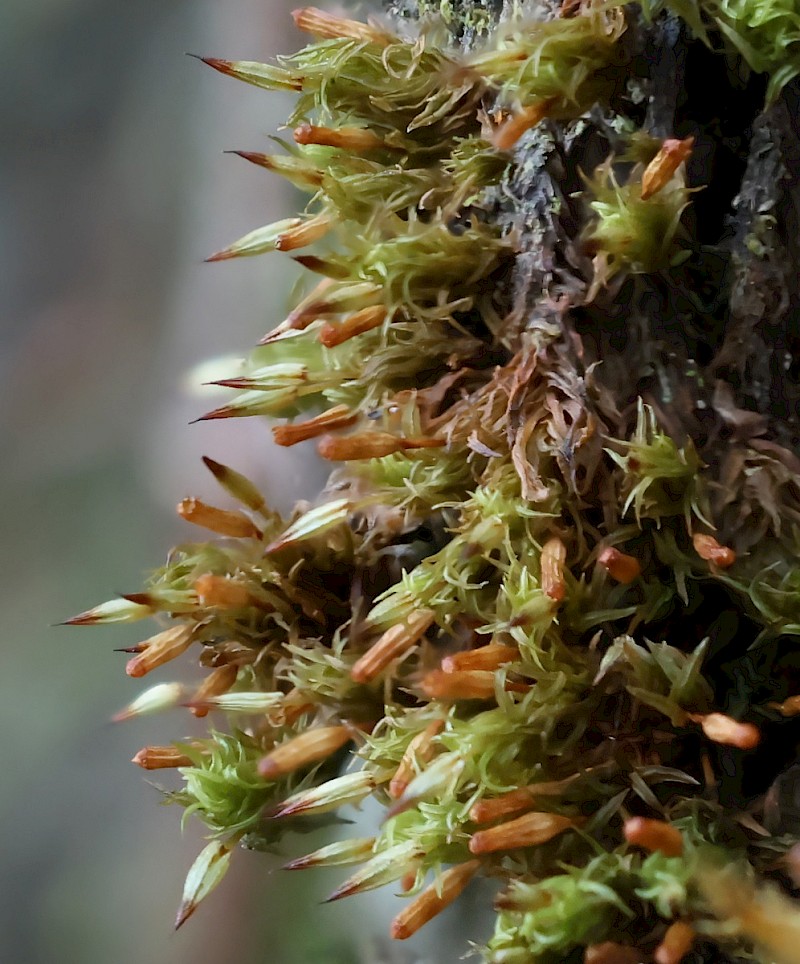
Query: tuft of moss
x=503, y=610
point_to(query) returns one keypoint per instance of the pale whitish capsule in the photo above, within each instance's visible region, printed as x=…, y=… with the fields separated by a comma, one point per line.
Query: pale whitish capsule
x=259, y=75
x=442, y=775
x=255, y=402
x=433, y=900
x=339, y=854
x=296, y=170
x=419, y=750
x=218, y=681
x=236, y=484
x=348, y=789
x=526, y=831
x=313, y=523
x=162, y=696
x=113, y=611
x=239, y=702
x=259, y=241
x=165, y=600
x=204, y=875
x=309, y=747
x=384, y=868
x=328, y=298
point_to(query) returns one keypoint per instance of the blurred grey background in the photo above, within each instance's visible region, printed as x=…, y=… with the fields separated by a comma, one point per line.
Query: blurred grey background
x=113, y=188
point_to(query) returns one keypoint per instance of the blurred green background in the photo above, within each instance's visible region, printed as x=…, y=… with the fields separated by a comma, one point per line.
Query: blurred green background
x=114, y=189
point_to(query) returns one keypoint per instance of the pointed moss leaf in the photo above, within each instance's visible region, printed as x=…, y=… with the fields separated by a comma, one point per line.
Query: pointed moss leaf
x=204, y=875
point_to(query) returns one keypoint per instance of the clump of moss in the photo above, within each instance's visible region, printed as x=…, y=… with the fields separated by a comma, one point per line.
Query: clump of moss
x=494, y=614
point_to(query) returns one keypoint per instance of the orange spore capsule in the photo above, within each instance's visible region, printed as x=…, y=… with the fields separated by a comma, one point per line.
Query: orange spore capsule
x=654, y=835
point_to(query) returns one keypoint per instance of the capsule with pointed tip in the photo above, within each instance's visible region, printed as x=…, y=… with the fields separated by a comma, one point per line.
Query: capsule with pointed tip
x=257, y=702
x=385, y=867
x=265, y=76
x=114, y=611
x=283, y=235
x=296, y=170
x=236, y=484
x=339, y=854
x=162, y=696
x=316, y=521
x=351, y=788
x=204, y=875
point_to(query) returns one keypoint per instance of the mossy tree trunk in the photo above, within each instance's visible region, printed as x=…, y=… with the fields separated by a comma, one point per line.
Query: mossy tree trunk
x=712, y=344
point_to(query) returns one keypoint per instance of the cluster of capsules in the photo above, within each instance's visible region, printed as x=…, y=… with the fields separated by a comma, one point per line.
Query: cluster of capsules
x=472, y=623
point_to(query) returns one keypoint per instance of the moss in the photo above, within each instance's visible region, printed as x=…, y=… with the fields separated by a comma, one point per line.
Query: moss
x=496, y=502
